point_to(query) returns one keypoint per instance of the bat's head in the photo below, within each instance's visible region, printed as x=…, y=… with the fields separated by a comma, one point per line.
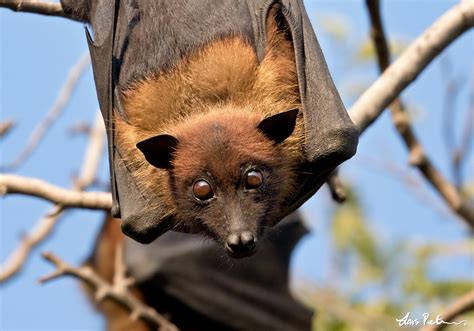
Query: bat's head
x=229, y=174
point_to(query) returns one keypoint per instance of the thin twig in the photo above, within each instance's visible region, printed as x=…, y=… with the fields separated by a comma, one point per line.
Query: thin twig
x=418, y=157
x=46, y=224
x=121, y=281
x=461, y=154
x=415, y=183
x=336, y=187
x=79, y=128
x=453, y=88
x=5, y=127
x=93, y=153
x=40, y=232
x=59, y=105
x=36, y=7
x=104, y=290
x=462, y=305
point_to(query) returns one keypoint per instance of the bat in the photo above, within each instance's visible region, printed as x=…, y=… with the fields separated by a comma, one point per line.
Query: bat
x=222, y=117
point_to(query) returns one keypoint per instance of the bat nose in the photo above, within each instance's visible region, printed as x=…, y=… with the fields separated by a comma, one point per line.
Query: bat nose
x=240, y=244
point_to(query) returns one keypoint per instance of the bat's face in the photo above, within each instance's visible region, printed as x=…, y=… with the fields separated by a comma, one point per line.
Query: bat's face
x=231, y=204
x=229, y=175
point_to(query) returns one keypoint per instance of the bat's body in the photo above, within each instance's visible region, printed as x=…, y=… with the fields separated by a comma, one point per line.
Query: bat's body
x=212, y=103
x=222, y=117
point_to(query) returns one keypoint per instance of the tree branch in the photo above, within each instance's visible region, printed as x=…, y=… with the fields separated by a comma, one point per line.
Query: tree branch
x=415, y=183
x=121, y=281
x=10, y=184
x=103, y=290
x=36, y=7
x=462, y=152
x=424, y=45
x=457, y=308
x=453, y=87
x=5, y=127
x=47, y=223
x=409, y=65
x=28, y=242
x=61, y=101
x=336, y=187
x=93, y=154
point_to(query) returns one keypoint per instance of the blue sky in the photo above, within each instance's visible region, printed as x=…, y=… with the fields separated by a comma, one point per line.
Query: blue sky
x=37, y=52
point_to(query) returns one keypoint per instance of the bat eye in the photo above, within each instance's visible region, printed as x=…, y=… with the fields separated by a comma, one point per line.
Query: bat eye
x=254, y=179
x=202, y=190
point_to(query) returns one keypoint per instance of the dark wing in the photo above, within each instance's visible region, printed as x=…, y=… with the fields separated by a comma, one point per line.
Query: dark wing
x=203, y=289
x=330, y=136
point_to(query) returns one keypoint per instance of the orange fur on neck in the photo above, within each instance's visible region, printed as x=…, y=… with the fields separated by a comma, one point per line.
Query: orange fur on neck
x=222, y=77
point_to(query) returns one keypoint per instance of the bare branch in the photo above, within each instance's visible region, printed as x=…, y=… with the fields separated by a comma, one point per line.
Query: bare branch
x=462, y=305
x=417, y=155
x=121, y=281
x=35, y=7
x=454, y=86
x=61, y=101
x=409, y=65
x=336, y=187
x=10, y=184
x=5, y=127
x=39, y=233
x=46, y=224
x=452, y=89
x=415, y=183
x=93, y=153
x=461, y=154
x=104, y=290
x=79, y=128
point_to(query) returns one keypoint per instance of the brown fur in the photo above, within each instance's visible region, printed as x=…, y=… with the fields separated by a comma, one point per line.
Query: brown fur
x=224, y=77
x=221, y=83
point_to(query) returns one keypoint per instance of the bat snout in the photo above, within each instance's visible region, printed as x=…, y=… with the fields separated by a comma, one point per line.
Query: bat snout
x=241, y=244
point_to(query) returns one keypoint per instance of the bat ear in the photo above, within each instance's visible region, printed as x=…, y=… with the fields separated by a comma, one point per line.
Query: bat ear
x=159, y=150
x=280, y=126
x=277, y=28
